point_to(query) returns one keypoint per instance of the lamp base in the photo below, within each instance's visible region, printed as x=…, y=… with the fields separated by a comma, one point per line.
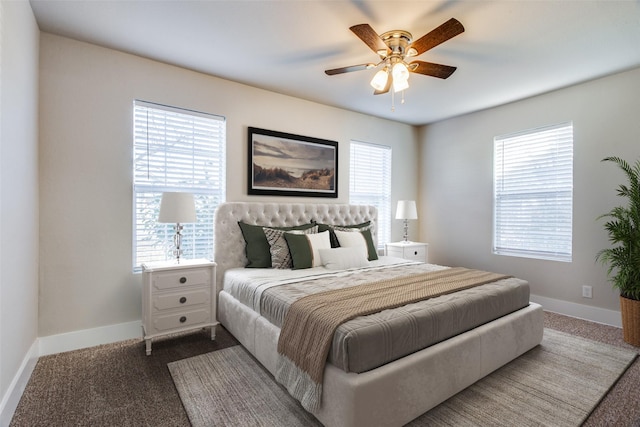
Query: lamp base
x=177, y=242
x=405, y=237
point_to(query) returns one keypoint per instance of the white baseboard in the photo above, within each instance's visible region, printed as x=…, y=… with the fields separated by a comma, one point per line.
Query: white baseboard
x=581, y=311
x=75, y=340
x=12, y=397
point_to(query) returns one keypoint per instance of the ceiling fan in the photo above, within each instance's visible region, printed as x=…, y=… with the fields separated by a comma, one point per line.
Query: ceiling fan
x=395, y=48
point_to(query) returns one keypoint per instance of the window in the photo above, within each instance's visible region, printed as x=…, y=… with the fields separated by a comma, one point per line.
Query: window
x=370, y=183
x=533, y=193
x=175, y=150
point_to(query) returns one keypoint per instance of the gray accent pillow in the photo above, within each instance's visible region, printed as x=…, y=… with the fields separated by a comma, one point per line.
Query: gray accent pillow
x=280, y=255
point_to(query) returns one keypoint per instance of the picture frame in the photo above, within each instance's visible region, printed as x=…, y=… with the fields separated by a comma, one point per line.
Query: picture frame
x=284, y=164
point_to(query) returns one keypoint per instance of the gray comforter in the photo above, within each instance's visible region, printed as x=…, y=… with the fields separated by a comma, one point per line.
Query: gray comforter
x=367, y=342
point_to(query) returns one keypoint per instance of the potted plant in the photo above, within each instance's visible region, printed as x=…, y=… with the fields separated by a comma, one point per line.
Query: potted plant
x=623, y=258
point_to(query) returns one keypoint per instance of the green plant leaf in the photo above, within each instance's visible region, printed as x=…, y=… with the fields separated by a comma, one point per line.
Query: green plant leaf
x=623, y=229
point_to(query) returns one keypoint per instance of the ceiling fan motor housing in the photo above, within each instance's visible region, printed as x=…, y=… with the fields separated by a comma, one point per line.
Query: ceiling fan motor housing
x=397, y=41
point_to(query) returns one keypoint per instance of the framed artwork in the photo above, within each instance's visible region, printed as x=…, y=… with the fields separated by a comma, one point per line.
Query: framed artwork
x=283, y=164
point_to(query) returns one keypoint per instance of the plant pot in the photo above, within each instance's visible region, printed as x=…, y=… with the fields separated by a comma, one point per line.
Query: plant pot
x=630, y=310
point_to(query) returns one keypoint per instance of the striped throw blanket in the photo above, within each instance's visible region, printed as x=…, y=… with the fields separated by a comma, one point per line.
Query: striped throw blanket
x=307, y=332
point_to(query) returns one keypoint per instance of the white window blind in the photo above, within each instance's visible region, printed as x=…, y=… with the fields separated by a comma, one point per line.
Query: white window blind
x=175, y=150
x=533, y=192
x=370, y=183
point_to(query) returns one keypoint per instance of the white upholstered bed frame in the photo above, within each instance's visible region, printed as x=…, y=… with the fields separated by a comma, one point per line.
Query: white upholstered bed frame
x=393, y=394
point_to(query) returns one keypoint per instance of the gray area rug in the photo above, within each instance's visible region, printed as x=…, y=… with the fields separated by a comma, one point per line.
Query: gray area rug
x=229, y=388
x=555, y=384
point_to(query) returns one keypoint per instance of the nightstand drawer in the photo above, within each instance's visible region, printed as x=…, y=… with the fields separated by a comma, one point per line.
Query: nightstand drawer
x=181, y=278
x=180, y=320
x=413, y=251
x=417, y=253
x=181, y=299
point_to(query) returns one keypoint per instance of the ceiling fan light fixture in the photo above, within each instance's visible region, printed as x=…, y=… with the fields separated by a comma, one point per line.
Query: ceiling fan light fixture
x=399, y=85
x=394, y=48
x=379, y=81
x=400, y=72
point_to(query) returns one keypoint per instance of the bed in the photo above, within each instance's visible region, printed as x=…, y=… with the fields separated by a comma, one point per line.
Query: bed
x=378, y=393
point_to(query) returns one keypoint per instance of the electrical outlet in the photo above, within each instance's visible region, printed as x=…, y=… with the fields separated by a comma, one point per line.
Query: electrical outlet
x=587, y=291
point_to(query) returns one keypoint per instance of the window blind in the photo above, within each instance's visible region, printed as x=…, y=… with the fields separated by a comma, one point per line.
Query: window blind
x=533, y=193
x=370, y=183
x=175, y=150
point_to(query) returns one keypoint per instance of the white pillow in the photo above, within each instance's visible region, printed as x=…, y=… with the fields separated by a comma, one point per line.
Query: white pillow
x=352, y=239
x=343, y=258
x=318, y=241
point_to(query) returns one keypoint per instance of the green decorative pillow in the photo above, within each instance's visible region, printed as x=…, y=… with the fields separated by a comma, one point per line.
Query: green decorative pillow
x=371, y=248
x=304, y=249
x=257, y=247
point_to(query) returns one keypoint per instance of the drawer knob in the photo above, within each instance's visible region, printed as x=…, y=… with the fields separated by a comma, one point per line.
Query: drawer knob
x=183, y=319
x=415, y=253
x=183, y=280
x=183, y=300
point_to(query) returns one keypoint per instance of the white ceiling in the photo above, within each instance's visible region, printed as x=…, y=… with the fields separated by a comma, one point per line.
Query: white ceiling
x=511, y=49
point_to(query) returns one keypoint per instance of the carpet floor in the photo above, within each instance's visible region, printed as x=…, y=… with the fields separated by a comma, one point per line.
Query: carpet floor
x=117, y=384
x=229, y=387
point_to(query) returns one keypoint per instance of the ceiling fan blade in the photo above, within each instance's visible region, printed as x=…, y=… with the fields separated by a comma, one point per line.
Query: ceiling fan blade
x=387, y=86
x=349, y=69
x=444, y=32
x=431, y=69
x=369, y=37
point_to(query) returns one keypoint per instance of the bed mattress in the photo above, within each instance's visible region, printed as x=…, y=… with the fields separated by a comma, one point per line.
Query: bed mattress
x=368, y=342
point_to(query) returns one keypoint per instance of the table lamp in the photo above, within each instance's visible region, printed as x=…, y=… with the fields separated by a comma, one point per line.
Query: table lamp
x=179, y=208
x=406, y=210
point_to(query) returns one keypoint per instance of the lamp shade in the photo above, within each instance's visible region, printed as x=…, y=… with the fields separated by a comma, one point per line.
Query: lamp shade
x=400, y=72
x=406, y=210
x=177, y=207
x=379, y=81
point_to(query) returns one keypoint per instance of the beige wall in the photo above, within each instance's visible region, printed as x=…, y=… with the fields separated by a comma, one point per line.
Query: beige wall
x=456, y=182
x=86, y=95
x=18, y=191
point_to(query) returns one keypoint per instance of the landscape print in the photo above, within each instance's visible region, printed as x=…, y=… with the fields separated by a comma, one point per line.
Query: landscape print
x=286, y=164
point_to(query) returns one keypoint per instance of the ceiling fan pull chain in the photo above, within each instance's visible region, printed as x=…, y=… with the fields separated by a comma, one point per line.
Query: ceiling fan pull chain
x=393, y=104
x=402, y=102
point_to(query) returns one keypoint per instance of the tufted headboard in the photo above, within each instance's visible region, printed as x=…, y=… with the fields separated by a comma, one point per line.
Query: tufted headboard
x=230, y=245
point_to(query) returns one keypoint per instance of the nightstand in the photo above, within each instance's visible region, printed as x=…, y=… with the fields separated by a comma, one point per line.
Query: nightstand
x=408, y=250
x=177, y=298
